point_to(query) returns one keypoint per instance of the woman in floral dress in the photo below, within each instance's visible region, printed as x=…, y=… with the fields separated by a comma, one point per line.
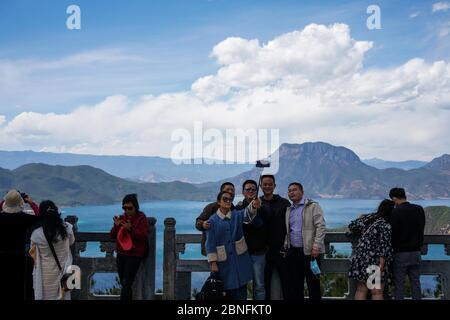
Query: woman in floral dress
x=373, y=233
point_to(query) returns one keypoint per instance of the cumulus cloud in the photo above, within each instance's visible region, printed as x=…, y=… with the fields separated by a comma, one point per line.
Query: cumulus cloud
x=311, y=84
x=440, y=6
x=316, y=54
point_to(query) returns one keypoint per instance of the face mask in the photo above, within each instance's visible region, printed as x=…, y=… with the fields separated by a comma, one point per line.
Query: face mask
x=315, y=267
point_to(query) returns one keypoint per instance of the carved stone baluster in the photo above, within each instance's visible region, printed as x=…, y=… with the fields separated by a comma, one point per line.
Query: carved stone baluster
x=108, y=247
x=170, y=259
x=78, y=248
x=424, y=250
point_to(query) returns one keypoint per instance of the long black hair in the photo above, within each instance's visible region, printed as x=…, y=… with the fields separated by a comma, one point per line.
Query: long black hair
x=384, y=211
x=51, y=221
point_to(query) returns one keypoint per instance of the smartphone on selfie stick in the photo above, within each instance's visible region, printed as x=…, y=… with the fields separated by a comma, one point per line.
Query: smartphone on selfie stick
x=261, y=164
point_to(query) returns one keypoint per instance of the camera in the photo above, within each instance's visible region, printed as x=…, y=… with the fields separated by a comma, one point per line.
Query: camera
x=24, y=196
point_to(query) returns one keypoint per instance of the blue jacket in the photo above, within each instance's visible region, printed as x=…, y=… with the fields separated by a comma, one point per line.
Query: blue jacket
x=226, y=245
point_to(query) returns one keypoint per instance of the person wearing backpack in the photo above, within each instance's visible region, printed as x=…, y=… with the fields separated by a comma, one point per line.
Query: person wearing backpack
x=51, y=242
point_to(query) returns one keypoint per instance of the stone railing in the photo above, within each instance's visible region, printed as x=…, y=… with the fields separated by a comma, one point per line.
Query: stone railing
x=177, y=271
x=144, y=285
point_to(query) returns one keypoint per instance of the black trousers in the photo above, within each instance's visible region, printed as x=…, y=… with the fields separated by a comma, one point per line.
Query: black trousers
x=299, y=269
x=127, y=268
x=274, y=261
x=29, y=266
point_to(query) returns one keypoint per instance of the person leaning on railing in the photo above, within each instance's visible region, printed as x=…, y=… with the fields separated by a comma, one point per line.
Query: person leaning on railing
x=374, y=248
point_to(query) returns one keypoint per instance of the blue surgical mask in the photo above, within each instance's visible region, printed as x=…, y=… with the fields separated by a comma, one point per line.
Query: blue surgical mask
x=315, y=267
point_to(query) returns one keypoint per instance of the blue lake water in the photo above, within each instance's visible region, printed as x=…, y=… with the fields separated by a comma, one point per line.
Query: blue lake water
x=338, y=213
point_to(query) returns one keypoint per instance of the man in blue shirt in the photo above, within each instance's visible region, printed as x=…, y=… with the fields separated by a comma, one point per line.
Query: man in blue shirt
x=304, y=242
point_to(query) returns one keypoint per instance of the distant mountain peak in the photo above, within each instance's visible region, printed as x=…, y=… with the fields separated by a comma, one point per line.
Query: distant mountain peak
x=440, y=163
x=385, y=164
x=318, y=150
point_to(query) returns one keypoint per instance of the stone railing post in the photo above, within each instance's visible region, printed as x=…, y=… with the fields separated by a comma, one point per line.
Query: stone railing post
x=144, y=283
x=76, y=294
x=351, y=282
x=446, y=275
x=169, y=264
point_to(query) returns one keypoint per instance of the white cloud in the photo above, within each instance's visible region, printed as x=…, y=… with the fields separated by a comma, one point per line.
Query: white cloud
x=311, y=84
x=414, y=15
x=37, y=84
x=444, y=29
x=440, y=6
x=300, y=58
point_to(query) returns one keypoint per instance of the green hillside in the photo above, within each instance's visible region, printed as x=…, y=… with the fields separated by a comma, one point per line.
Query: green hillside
x=438, y=220
x=85, y=185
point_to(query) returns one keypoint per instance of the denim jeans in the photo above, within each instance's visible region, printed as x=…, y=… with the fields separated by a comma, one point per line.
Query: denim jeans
x=259, y=263
x=407, y=263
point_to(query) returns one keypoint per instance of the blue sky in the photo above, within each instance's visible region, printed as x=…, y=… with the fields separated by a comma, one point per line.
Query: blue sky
x=176, y=37
x=157, y=47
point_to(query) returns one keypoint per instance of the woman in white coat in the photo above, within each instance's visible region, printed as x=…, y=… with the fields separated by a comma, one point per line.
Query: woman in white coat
x=47, y=274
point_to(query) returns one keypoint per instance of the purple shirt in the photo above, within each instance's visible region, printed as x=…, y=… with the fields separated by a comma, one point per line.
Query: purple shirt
x=295, y=224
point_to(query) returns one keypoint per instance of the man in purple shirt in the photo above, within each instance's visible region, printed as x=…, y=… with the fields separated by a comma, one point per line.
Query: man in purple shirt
x=304, y=242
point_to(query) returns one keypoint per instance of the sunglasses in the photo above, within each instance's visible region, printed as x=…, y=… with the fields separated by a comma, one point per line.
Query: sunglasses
x=226, y=199
x=127, y=208
x=250, y=190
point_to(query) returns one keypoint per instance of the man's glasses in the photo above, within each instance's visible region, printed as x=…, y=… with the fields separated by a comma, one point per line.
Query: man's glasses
x=226, y=199
x=250, y=190
x=128, y=208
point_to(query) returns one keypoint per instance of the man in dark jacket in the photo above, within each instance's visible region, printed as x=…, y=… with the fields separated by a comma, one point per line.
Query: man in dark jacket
x=201, y=223
x=276, y=265
x=255, y=234
x=408, y=224
x=15, y=228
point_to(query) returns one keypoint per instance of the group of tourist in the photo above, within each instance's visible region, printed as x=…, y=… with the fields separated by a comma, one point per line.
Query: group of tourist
x=391, y=238
x=270, y=241
x=35, y=248
x=267, y=240
x=277, y=244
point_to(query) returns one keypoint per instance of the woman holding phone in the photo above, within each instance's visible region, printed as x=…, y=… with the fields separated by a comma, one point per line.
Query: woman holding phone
x=130, y=232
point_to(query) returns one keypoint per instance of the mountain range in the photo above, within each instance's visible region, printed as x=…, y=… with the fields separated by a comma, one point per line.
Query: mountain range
x=384, y=164
x=140, y=169
x=326, y=171
x=86, y=185
x=156, y=169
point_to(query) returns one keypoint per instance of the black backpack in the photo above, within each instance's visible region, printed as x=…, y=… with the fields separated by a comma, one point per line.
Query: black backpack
x=212, y=289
